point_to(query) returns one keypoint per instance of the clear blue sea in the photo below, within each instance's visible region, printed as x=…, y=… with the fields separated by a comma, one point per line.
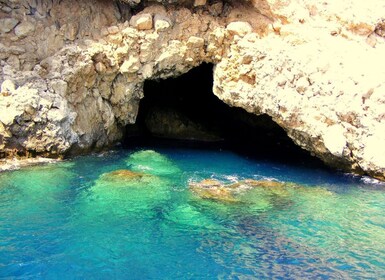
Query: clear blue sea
x=73, y=220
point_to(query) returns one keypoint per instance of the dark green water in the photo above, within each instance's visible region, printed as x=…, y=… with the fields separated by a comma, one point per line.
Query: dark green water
x=69, y=221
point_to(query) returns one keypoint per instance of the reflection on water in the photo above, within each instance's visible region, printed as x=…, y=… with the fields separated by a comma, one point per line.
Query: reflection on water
x=132, y=214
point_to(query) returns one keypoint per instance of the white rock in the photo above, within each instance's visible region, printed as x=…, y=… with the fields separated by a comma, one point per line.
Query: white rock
x=142, y=21
x=130, y=66
x=335, y=140
x=147, y=71
x=7, y=86
x=113, y=29
x=239, y=28
x=374, y=151
x=161, y=23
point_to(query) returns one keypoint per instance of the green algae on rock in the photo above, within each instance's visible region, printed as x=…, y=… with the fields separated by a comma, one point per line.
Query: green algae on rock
x=42, y=186
x=122, y=192
x=141, y=188
x=151, y=162
x=189, y=216
x=123, y=176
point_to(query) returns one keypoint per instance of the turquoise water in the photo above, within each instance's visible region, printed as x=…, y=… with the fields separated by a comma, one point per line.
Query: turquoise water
x=81, y=220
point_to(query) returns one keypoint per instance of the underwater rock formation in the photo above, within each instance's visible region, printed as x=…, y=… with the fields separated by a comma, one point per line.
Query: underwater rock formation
x=151, y=162
x=216, y=190
x=124, y=175
x=256, y=194
x=72, y=72
x=213, y=189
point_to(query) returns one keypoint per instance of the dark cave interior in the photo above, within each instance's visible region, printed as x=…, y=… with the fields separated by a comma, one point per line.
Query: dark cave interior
x=190, y=98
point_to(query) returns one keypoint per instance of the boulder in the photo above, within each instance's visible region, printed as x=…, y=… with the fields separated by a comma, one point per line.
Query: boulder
x=142, y=21
x=7, y=24
x=239, y=28
x=7, y=87
x=198, y=3
x=161, y=23
x=24, y=29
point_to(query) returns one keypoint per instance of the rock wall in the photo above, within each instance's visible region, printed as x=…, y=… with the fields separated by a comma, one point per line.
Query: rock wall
x=72, y=72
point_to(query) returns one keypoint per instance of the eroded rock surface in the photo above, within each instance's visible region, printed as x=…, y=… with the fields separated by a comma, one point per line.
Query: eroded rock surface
x=72, y=72
x=251, y=191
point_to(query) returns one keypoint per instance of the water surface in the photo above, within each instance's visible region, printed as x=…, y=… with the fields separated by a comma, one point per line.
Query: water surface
x=72, y=221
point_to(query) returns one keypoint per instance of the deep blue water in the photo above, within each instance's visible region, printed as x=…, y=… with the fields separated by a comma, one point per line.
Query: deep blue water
x=72, y=220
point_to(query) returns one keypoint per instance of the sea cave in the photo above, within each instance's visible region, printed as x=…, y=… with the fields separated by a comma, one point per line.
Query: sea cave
x=183, y=111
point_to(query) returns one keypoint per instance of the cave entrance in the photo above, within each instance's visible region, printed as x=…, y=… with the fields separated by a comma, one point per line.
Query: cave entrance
x=184, y=111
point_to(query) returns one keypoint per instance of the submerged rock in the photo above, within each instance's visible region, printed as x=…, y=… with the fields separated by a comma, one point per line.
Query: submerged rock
x=216, y=190
x=124, y=192
x=261, y=183
x=258, y=194
x=190, y=217
x=221, y=193
x=124, y=175
x=151, y=162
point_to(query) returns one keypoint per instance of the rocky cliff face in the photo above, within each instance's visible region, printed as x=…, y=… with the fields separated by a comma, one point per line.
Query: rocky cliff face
x=72, y=72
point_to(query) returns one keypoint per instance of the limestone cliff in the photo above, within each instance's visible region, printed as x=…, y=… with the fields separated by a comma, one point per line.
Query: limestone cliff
x=72, y=72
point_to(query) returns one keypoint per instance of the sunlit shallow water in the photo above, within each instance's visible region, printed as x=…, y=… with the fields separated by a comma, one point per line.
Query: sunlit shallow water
x=72, y=220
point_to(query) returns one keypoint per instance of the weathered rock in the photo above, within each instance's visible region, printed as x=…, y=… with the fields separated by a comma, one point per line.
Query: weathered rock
x=380, y=28
x=7, y=24
x=142, y=21
x=71, y=31
x=199, y=3
x=131, y=65
x=80, y=71
x=24, y=29
x=216, y=9
x=161, y=23
x=123, y=175
x=7, y=87
x=239, y=28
